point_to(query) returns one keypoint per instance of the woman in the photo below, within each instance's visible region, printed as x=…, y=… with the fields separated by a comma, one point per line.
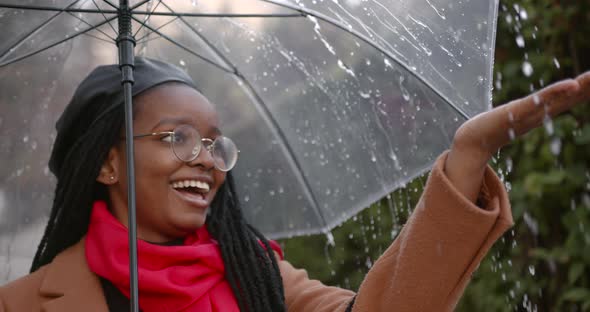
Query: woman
x=196, y=252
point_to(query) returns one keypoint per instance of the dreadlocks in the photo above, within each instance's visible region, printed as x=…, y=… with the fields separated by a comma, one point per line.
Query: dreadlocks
x=251, y=270
x=250, y=265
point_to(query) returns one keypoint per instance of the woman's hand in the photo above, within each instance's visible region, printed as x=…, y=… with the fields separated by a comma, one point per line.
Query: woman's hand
x=482, y=136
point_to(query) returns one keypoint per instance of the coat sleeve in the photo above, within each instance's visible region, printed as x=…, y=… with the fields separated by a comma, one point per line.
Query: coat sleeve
x=430, y=262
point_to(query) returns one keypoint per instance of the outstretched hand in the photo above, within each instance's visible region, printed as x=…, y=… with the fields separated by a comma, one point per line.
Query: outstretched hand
x=482, y=136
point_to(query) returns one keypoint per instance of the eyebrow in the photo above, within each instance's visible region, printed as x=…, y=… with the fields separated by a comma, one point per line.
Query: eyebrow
x=180, y=120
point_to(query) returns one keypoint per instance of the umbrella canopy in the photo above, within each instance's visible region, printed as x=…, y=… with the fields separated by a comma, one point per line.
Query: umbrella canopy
x=333, y=104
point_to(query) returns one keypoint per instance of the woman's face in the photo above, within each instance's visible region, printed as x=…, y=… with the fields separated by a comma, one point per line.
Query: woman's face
x=166, y=211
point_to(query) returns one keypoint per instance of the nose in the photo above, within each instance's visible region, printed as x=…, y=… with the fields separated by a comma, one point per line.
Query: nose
x=204, y=159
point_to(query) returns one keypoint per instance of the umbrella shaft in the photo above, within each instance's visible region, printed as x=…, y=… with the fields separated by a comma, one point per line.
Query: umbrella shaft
x=126, y=44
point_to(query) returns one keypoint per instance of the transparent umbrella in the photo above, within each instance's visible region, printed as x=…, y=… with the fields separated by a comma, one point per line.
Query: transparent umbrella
x=333, y=104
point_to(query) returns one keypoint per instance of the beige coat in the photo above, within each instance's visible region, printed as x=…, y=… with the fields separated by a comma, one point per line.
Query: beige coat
x=425, y=269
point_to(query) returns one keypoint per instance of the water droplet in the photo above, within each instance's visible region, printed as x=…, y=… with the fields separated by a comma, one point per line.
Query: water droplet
x=536, y=99
x=520, y=41
x=510, y=116
x=548, y=123
x=246, y=198
x=405, y=93
x=346, y=68
x=26, y=138
x=511, y=134
x=182, y=63
x=509, y=19
x=498, y=83
x=527, y=68
x=556, y=63
x=369, y=263
x=555, y=146
x=523, y=14
x=509, y=165
x=532, y=270
x=387, y=63
x=330, y=239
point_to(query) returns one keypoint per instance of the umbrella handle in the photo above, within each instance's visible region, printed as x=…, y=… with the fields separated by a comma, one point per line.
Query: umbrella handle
x=126, y=45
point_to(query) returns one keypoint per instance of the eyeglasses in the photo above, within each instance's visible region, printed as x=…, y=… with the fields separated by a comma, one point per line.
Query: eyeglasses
x=186, y=143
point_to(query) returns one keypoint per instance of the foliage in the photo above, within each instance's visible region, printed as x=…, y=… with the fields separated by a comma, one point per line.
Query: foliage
x=543, y=263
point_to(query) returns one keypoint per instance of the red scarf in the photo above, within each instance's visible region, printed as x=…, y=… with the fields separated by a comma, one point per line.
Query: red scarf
x=171, y=278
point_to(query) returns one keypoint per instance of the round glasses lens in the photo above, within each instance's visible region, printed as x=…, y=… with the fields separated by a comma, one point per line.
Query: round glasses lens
x=225, y=153
x=186, y=143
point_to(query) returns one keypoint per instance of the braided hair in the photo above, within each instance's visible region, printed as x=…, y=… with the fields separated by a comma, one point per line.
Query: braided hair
x=251, y=269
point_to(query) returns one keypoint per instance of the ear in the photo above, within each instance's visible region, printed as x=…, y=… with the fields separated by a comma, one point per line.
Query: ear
x=110, y=169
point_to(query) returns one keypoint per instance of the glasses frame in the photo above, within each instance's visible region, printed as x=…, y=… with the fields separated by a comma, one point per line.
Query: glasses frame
x=207, y=143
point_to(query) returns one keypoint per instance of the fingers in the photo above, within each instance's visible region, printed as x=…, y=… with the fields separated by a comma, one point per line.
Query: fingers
x=498, y=127
x=584, y=79
x=491, y=130
x=530, y=112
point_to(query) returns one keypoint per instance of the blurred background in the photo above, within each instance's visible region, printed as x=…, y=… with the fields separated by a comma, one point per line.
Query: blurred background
x=543, y=263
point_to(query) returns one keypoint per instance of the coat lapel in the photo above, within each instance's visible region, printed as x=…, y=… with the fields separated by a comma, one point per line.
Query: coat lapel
x=70, y=284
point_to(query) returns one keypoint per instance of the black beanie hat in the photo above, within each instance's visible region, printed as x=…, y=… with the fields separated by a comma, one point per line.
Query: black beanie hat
x=99, y=93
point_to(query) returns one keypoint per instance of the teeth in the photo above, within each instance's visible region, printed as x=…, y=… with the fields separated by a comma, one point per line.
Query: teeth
x=202, y=185
x=191, y=183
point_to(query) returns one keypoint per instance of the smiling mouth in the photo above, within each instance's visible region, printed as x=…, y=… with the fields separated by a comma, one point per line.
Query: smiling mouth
x=193, y=191
x=192, y=186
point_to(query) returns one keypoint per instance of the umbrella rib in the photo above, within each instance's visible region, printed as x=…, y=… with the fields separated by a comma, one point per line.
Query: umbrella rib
x=139, y=40
x=53, y=9
x=111, y=4
x=34, y=31
x=180, y=45
x=74, y=10
x=239, y=15
x=88, y=24
x=105, y=17
x=147, y=17
x=98, y=38
x=273, y=122
x=358, y=35
x=54, y=44
x=140, y=4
